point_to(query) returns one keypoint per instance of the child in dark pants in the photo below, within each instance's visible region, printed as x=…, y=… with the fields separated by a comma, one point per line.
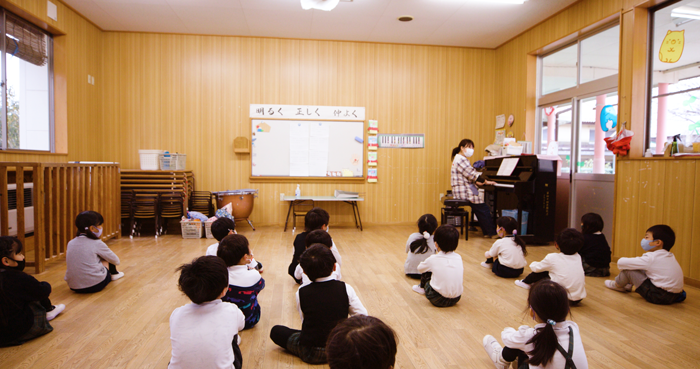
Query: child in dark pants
x=313, y=220
x=25, y=308
x=442, y=273
x=563, y=267
x=322, y=305
x=595, y=253
x=509, y=251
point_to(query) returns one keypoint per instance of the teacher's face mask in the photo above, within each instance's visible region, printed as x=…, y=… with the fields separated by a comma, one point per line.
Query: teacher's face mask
x=468, y=152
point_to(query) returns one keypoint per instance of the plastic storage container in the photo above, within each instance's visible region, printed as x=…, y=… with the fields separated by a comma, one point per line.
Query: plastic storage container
x=191, y=229
x=149, y=159
x=181, y=161
x=514, y=214
x=207, y=229
x=167, y=161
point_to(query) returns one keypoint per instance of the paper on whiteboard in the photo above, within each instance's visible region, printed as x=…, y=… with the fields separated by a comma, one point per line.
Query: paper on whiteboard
x=500, y=121
x=320, y=130
x=299, y=130
x=318, y=163
x=507, y=166
x=299, y=169
x=319, y=144
x=299, y=144
x=299, y=157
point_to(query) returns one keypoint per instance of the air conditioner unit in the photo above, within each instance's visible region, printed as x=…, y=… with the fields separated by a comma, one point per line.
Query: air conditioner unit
x=28, y=208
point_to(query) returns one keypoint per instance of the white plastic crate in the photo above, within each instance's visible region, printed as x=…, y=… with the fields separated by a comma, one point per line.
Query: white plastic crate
x=181, y=161
x=207, y=229
x=149, y=159
x=191, y=229
x=168, y=162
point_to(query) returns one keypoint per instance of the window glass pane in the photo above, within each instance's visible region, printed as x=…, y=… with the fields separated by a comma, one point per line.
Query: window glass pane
x=600, y=55
x=593, y=155
x=556, y=133
x=559, y=70
x=28, y=123
x=675, y=87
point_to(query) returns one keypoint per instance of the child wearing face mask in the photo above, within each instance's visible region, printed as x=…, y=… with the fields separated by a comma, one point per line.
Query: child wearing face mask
x=656, y=275
x=509, y=251
x=25, y=308
x=90, y=264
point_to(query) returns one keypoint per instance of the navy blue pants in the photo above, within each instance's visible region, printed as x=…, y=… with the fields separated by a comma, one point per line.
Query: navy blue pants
x=483, y=214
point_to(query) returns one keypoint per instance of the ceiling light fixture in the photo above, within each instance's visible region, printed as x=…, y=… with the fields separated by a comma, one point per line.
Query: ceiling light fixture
x=326, y=5
x=405, y=18
x=688, y=12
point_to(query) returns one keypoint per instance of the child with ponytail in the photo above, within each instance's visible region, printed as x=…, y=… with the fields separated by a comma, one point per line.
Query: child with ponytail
x=509, y=251
x=90, y=264
x=554, y=342
x=420, y=245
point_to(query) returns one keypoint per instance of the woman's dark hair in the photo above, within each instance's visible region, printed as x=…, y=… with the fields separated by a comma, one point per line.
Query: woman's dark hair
x=87, y=219
x=8, y=247
x=361, y=342
x=591, y=223
x=509, y=224
x=426, y=223
x=464, y=142
x=549, y=301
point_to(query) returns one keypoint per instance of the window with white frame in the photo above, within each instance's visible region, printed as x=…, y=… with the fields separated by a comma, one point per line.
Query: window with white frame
x=27, y=89
x=674, y=62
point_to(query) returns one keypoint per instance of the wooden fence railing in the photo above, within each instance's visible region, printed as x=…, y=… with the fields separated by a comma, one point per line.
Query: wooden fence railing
x=61, y=191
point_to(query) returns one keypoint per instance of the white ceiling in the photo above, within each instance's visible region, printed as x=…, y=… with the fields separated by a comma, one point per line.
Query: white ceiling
x=470, y=23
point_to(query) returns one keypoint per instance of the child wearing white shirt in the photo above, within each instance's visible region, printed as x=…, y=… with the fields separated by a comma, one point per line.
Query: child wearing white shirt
x=564, y=267
x=322, y=237
x=509, y=252
x=553, y=343
x=420, y=245
x=442, y=273
x=204, y=334
x=656, y=275
x=221, y=228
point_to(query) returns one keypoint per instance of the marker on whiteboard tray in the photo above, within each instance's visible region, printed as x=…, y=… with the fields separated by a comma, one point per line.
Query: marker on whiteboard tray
x=359, y=139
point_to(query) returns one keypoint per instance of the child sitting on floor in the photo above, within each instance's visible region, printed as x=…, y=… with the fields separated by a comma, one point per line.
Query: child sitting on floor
x=656, y=275
x=221, y=228
x=442, y=273
x=204, y=334
x=361, y=342
x=90, y=264
x=316, y=218
x=322, y=305
x=315, y=238
x=553, y=343
x=420, y=245
x=562, y=267
x=595, y=253
x=244, y=284
x=25, y=308
x=509, y=251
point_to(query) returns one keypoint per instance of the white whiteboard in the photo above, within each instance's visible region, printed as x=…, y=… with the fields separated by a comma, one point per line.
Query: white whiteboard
x=300, y=148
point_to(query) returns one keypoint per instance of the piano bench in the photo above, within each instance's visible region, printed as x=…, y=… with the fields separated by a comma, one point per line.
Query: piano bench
x=458, y=214
x=456, y=203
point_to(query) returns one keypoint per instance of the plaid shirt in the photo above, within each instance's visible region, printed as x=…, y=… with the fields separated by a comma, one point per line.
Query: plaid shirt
x=462, y=178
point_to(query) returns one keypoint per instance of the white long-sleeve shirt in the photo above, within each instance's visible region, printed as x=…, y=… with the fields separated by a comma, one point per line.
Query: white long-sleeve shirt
x=518, y=340
x=566, y=270
x=214, y=248
x=412, y=259
x=299, y=274
x=509, y=253
x=355, y=307
x=448, y=272
x=201, y=335
x=661, y=268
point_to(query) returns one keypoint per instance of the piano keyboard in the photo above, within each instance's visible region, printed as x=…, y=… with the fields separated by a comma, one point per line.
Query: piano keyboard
x=505, y=185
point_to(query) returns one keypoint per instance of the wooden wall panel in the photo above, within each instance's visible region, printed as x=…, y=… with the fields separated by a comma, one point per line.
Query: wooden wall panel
x=191, y=94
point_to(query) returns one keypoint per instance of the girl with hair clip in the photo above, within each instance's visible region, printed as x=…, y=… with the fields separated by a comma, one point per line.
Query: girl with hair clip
x=90, y=264
x=361, y=342
x=509, y=251
x=463, y=179
x=420, y=245
x=25, y=308
x=554, y=342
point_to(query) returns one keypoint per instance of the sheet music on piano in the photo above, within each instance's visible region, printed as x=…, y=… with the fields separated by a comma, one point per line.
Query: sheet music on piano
x=507, y=166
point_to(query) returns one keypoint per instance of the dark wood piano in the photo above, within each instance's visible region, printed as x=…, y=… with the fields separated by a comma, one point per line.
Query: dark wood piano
x=531, y=187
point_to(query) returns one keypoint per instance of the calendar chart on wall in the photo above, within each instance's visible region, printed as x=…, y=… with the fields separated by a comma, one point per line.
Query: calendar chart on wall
x=307, y=148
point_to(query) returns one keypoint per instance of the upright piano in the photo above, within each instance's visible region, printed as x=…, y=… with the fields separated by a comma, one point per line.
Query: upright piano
x=531, y=187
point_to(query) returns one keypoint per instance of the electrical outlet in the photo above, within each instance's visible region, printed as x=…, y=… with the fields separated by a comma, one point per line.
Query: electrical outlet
x=281, y=197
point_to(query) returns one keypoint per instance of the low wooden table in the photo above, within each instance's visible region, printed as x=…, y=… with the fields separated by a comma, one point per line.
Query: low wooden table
x=352, y=201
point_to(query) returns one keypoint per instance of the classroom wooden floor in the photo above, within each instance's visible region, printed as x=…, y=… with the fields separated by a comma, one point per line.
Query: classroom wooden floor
x=126, y=325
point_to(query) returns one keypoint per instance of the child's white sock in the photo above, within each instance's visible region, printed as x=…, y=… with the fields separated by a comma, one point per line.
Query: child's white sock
x=494, y=350
x=418, y=289
x=57, y=309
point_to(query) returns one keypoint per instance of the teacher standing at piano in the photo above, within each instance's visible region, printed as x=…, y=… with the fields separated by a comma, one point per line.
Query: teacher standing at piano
x=464, y=179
